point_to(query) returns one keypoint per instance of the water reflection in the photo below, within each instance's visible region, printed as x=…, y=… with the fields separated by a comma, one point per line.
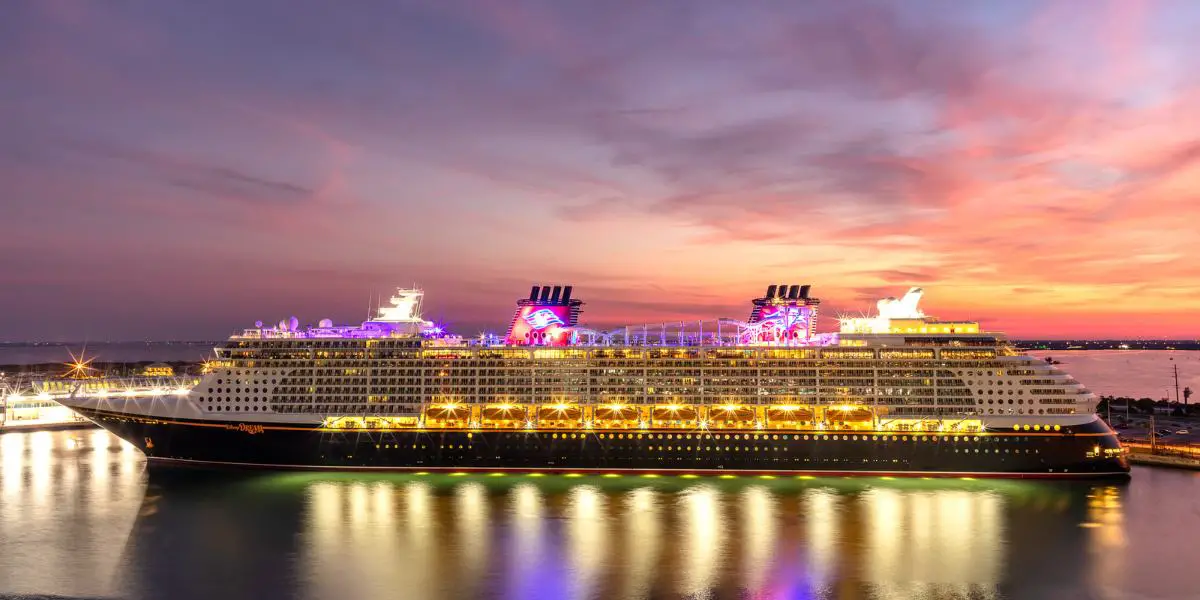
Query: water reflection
x=82, y=499
x=53, y=514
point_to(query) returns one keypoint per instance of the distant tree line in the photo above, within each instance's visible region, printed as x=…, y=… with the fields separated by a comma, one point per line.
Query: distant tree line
x=1146, y=406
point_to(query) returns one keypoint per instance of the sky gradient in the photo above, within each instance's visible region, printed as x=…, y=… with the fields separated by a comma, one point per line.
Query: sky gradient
x=176, y=169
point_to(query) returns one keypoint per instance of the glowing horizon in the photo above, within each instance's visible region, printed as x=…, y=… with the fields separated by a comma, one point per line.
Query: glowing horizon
x=183, y=170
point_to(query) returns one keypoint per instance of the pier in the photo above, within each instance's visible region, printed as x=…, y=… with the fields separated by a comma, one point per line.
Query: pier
x=33, y=402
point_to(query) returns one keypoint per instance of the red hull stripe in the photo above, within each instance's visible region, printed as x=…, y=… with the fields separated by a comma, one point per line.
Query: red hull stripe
x=662, y=472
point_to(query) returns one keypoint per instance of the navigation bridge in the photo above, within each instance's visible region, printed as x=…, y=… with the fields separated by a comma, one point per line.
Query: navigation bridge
x=30, y=402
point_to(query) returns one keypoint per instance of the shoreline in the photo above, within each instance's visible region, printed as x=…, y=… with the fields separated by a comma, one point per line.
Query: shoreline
x=1170, y=462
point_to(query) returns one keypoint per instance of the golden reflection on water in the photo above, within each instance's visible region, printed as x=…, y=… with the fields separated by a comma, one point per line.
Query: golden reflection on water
x=587, y=538
x=642, y=523
x=701, y=541
x=758, y=527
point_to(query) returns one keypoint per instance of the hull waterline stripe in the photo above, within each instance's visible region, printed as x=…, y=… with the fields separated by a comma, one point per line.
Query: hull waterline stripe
x=668, y=472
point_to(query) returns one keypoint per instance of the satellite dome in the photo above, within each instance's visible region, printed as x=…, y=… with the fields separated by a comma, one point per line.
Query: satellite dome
x=258, y=324
x=325, y=323
x=293, y=323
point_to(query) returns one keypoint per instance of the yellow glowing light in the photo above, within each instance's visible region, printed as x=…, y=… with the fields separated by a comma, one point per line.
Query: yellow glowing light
x=766, y=477
x=611, y=475
x=673, y=407
x=650, y=475
x=457, y=474
x=729, y=477
x=730, y=407
x=495, y=474
x=688, y=476
x=560, y=407
x=43, y=396
x=805, y=477
x=615, y=406
x=787, y=407
x=572, y=475
x=80, y=366
x=181, y=391
x=505, y=407
x=537, y=475
x=422, y=472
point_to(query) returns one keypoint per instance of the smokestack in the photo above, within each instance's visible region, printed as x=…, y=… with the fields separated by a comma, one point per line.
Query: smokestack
x=771, y=290
x=545, y=293
x=556, y=294
x=533, y=292
x=804, y=291
x=566, y=297
x=794, y=292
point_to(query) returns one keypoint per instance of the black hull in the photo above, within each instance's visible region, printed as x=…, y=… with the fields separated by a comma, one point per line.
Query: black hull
x=996, y=454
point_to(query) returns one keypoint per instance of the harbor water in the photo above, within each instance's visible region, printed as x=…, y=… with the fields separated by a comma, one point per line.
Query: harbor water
x=80, y=516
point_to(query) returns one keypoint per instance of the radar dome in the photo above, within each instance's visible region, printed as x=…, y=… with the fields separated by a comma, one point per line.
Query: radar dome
x=258, y=324
x=293, y=324
x=325, y=323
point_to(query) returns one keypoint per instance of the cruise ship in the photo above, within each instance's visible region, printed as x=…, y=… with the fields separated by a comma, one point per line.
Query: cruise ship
x=895, y=393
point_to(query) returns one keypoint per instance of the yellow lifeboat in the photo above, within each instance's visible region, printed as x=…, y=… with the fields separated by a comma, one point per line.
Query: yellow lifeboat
x=674, y=416
x=503, y=416
x=615, y=416
x=731, y=416
x=560, y=416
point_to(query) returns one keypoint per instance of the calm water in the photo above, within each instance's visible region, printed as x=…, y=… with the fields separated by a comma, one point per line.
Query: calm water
x=79, y=516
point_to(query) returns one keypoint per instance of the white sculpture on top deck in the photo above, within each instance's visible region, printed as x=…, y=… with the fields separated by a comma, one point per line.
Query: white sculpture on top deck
x=405, y=308
x=904, y=308
x=888, y=309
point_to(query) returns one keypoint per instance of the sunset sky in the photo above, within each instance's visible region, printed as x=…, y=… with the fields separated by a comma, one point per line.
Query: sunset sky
x=175, y=169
